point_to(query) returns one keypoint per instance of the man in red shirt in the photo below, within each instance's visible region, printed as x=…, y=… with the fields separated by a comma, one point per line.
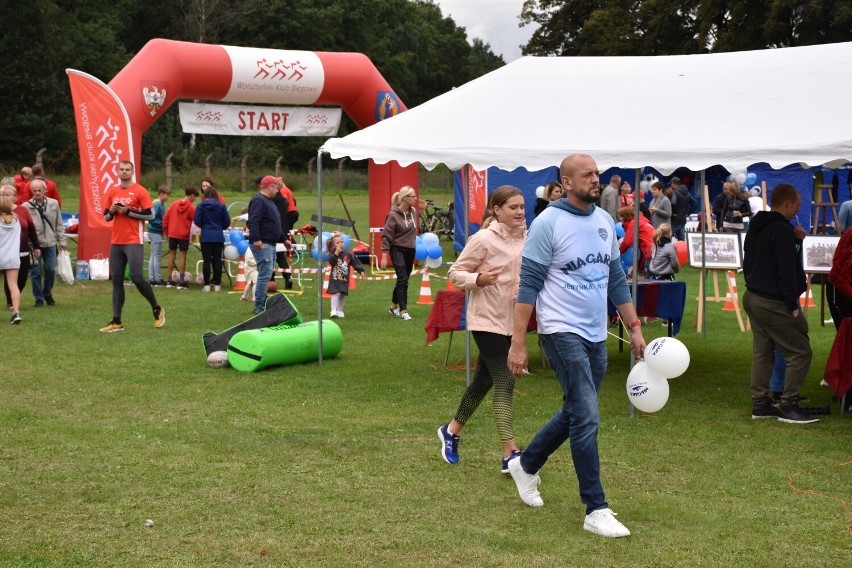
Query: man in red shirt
x=50, y=189
x=129, y=207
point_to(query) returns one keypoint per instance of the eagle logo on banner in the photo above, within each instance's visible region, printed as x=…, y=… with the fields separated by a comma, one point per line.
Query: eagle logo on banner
x=387, y=105
x=154, y=98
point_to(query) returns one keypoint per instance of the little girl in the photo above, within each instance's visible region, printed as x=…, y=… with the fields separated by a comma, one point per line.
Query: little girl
x=251, y=276
x=664, y=263
x=340, y=260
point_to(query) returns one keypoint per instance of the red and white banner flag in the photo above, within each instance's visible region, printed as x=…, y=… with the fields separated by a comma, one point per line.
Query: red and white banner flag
x=104, y=138
x=243, y=120
x=477, y=187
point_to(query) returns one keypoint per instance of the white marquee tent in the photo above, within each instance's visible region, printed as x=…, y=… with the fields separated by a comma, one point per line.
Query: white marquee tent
x=780, y=106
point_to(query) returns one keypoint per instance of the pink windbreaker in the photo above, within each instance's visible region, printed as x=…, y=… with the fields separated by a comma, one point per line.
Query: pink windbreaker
x=491, y=308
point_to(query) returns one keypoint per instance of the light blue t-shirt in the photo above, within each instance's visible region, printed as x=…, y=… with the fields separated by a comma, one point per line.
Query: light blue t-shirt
x=577, y=251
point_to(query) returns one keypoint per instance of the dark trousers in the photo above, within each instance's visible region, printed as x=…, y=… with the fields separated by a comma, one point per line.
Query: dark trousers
x=403, y=262
x=839, y=305
x=211, y=253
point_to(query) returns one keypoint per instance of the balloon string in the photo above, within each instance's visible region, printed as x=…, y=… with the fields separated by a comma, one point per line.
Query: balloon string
x=621, y=323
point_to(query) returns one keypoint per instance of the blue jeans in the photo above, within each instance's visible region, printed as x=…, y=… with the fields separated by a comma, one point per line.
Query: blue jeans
x=679, y=232
x=580, y=366
x=265, y=258
x=154, y=274
x=43, y=273
x=776, y=383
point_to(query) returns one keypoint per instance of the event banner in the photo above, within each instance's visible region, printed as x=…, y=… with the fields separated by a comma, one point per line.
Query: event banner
x=477, y=187
x=242, y=120
x=103, y=136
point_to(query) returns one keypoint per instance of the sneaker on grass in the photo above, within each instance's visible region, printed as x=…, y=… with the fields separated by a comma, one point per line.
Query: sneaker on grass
x=790, y=413
x=16, y=318
x=604, y=523
x=449, y=444
x=504, y=463
x=763, y=408
x=394, y=312
x=527, y=484
x=112, y=327
x=405, y=316
x=159, y=317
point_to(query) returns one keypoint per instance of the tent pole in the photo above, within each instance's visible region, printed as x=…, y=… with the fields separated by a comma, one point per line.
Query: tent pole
x=705, y=218
x=319, y=252
x=466, y=185
x=637, y=178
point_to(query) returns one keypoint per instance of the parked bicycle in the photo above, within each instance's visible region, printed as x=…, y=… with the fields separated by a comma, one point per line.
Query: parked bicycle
x=434, y=219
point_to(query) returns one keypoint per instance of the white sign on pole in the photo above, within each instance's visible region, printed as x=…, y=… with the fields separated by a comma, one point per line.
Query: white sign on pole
x=242, y=120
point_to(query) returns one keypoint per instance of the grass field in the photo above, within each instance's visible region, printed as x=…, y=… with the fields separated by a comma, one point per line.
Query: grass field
x=339, y=465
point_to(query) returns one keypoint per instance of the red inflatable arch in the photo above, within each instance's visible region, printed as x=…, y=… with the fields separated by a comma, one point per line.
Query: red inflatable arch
x=112, y=118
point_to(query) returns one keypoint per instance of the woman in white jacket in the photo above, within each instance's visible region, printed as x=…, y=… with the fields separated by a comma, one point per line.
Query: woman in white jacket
x=489, y=267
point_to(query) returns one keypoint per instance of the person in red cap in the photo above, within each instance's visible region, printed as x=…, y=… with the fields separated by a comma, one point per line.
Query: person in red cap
x=264, y=224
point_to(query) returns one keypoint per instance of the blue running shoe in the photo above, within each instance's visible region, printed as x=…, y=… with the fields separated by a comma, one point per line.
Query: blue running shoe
x=504, y=463
x=449, y=445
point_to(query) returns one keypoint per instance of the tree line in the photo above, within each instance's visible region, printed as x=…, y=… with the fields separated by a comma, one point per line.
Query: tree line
x=421, y=54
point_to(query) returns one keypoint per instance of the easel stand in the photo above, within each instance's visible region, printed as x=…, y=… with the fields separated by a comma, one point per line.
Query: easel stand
x=820, y=211
x=731, y=292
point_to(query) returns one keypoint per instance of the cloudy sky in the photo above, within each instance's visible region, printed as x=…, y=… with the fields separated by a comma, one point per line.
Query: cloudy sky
x=493, y=21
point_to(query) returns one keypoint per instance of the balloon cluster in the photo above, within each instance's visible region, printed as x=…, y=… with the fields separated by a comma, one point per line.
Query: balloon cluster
x=238, y=247
x=647, y=384
x=427, y=249
x=744, y=179
x=319, y=248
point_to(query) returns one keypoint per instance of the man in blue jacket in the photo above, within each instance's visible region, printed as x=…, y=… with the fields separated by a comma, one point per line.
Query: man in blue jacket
x=264, y=223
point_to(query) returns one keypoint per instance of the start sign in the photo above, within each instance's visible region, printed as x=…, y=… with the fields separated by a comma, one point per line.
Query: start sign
x=241, y=120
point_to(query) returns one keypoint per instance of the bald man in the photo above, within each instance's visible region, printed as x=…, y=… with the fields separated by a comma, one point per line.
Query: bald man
x=570, y=266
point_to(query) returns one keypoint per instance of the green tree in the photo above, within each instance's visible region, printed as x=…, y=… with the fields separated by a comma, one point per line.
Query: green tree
x=669, y=27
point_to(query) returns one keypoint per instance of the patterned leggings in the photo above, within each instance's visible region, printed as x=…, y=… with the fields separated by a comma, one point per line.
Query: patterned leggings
x=491, y=370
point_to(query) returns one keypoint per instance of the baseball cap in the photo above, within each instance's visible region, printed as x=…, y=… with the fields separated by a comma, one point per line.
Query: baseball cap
x=268, y=180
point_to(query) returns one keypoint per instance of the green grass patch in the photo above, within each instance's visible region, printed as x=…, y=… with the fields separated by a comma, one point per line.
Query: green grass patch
x=339, y=465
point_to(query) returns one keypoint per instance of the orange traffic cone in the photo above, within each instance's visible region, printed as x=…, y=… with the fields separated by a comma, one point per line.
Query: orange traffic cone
x=352, y=280
x=450, y=286
x=325, y=278
x=240, y=283
x=425, y=290
x=807, y=298
x=731, y=296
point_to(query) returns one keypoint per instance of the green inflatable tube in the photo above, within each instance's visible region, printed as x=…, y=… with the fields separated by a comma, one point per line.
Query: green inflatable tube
x=256, y=349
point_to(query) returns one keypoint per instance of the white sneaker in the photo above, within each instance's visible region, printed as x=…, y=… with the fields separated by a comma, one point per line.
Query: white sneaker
x=405, y=316
x=206, y=289
x=217, y=288
x=340, y=315
x=604, y=523
x=527, y=484
x=333, y=314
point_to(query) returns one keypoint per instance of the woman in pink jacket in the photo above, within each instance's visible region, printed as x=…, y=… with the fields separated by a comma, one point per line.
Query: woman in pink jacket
x=489, y=267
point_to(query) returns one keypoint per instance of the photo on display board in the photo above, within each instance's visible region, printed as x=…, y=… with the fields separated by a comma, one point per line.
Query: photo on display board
x=722, y=250
x=818, y=252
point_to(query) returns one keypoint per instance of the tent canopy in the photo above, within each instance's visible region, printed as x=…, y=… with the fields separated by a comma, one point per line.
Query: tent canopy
x=779, y=106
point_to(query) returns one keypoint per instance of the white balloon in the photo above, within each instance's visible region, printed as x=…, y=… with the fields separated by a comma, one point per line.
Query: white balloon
x=646, y=390
x=231, y=252
x=429, y=239
x=740, y=178
x=539, y=192
x=667, y=356
x=433, y=262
